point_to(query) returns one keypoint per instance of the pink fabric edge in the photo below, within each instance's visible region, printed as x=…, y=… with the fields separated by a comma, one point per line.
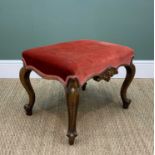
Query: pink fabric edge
x=55, y=77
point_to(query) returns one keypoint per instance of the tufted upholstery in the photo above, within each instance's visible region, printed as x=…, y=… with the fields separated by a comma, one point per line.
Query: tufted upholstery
x=81, y=59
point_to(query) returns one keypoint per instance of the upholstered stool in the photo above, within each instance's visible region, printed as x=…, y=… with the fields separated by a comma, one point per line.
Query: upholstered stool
x=73, y=64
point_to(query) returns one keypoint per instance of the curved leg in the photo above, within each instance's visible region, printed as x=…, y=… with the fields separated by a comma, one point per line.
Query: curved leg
x=129, y=77
x=72, y=95
x=84, y=86
x=24, y=78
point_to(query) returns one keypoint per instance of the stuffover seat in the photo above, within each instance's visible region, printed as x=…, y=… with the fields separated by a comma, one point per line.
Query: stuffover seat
x=74, y=63
x=81, y=59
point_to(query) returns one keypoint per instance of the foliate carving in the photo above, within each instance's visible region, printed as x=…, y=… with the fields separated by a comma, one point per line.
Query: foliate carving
x=106, y=75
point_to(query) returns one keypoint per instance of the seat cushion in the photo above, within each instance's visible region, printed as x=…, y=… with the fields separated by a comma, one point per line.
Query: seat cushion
x=82, y=59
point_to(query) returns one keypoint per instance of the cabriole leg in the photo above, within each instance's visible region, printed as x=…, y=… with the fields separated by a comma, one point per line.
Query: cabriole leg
x=84, y=86
x=129, y=77
x=72, y=95
x=24, y=78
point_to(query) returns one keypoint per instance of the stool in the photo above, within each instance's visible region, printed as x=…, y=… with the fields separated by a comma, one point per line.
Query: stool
x=73, y=64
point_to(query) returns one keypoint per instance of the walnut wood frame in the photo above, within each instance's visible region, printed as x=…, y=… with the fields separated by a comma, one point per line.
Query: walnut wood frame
x=72, y=93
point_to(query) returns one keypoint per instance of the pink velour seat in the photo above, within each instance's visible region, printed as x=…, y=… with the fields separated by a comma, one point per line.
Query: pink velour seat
x=82, y=59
